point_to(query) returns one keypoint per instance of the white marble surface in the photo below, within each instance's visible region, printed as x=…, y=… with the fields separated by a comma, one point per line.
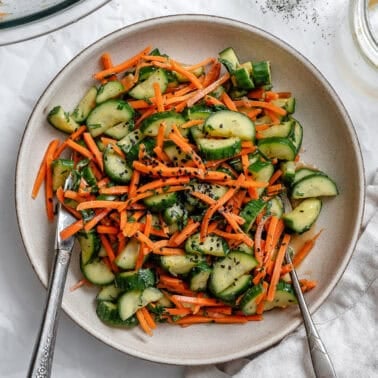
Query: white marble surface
x=319, y=29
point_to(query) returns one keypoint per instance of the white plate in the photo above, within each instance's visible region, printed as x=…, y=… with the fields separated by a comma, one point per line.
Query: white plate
x=329, y=141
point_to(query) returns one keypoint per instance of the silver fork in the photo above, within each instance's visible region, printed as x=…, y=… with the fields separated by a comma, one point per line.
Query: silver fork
x=321, y=361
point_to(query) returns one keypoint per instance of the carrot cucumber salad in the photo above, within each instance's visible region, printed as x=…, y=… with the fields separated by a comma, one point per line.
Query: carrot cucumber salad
x=177, y=175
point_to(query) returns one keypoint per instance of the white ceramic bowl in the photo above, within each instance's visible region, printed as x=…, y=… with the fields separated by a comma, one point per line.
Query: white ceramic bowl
x=329, y=141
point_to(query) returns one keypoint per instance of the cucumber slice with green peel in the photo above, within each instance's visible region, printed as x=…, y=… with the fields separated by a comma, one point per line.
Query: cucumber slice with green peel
x=283, y=130
x=196, y=72
x=109, y=293
x=62, y=121
x=261, y=171
x=261, y=73
x=130, y=140
x=85, y=105
x=241, y=78
x=108, y=114
x=149, y=145
x=127, y=258
x=198, y=112
x=150, y=126
x=297, y=136
x=301, y=218
x=176, y=156
x=286, y=103
x=180, y=264
x=199, y=277
x=214, y=191
x=277, y=148
x=159, y=202
x=228, y=269
x=304, y=172
x=242, y=247
x=229, y=59
x=109, y=90
x=240, y=285
x=118, y=131
x=139, y=280
x=284, y=297
x=116, y=166
x=98, y=272
x=90, y=244
x=61, y=168
x=89, y=176
x=145, y=90
x=129, y=303
x=248, y=303
x=288, y=171
x=250, y=211
x=215, y=149
x=174, y=214
x=213, y=245
x=227, y=123
x=317, y=185
x=275, y=207
x=149, y=295
x=108, y=313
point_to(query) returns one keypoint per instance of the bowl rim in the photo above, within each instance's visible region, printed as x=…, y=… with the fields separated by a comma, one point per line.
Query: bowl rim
x=205, y=18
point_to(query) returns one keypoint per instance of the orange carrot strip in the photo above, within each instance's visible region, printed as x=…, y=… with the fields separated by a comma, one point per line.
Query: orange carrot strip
x=72, y=229
x=256, y=93
x=92, y=146
x=42, y=168
x=109, y=251
x=96, y=204
x=305, y=250
x=164, y=171
x=196, y=300
x=205, y=62
x=162, y=183
x=187, y=231
x=175, y=66
x=203, y=197
x=277, y=267
x=170, y=251
x=194, y=319
x=213, y=74
x=149, y=319
x=230, y=319
x=210, y=100
x=101, y=229
x=261, y=104
x=134, y=182
x=259, y=253
x=276, y=175
x=177, y=311
x=205, y=91
x=97, y=218
x=80, y=149
x=228, y=102
x=262, y=127
x=158, y=97
x=117, y=189
x=191, y=123
x=143, y=323
x=122, y=66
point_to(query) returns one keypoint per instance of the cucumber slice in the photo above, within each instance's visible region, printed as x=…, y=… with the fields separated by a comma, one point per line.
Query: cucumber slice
x=130, y=140
x=197, y=72
x=109, y=293
x=118, y=131
x=145, y=89
x=174, y=214
x=108, y=114
x=150, y=126
x=126, y=259
x=288, y=171
x=227, y=123
x=62, y=121
x=89, y=244
x=227, y=270
x=248, y=303
x=61, y=168
x=261, y=73
x=85, y=105
x=303, y=216
x=149, y=145
x=215, y=149
x=229, y=58
x=277, y=148
x=285, y=296
x=116, y=166
x=108, y=313
x=180, y=264
x=283, y=130
x=177, y=157
x=286, y=103
x=97, y=272
x=199, y=277
x=317, y=185
x=244, y=248
x=241, y=79
x=89, y=176
x=129, y=303
x=214, y=191
x=297, y=136
x=198, y=112
x=150, y=294
x=239, y=286
x=212, y=245
x=138, y=280
x=275, y=207
x=109, y=90
x=250, y=211
x=305, y=172
x=159, y=202
x=261, y=171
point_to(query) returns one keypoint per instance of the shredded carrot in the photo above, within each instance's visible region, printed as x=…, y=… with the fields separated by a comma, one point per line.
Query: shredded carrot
x=92, y=146
x=80, y=149
x=72, y=229
x=143, y=322
x=158, y=97
x=305, y=250
x=228, y=102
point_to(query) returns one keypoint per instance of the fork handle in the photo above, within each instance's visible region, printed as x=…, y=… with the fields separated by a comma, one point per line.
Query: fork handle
x=41, y=361
x=321, y=362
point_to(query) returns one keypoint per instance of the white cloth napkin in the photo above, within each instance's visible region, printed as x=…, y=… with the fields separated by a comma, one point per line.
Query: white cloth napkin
x=341, y=321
